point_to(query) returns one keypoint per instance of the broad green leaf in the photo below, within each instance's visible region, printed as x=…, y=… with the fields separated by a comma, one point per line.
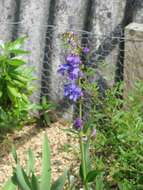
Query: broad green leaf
x=31, y=161
x=87, y=156
x=9, y=185
x=15, y=44
x=21, y=179
x=46, y=166
x=13, y=92
x=60, y=182
x=91, y=176
x=16, y=62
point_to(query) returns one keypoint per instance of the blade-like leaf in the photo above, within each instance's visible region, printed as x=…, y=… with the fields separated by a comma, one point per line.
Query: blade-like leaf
x=60, y=182
x=99, y=182
x=46, y=166
x=81, y=172
x=14, y=154
x=18, y=52
x=34, y=183
x=16, y=62
x=21, y=179
x=31, y=161
x=9, y=185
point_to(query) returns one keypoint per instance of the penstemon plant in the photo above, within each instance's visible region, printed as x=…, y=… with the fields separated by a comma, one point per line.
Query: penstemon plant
x=77, y=70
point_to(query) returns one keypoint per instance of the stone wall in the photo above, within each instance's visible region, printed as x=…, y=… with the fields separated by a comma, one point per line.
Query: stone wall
x=105, y=20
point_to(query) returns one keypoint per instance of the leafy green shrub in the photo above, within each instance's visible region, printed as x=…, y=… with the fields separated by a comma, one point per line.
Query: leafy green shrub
x=27, y=180
x=118, y=148
x=15, y=80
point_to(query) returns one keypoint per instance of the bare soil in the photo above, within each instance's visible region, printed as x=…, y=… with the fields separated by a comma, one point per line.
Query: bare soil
x=61, y=143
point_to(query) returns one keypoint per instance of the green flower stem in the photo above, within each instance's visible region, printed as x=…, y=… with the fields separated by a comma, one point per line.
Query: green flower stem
x=83, y=159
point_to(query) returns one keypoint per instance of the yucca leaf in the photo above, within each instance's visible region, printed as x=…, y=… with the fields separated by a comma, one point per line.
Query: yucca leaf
x=34, y=183
x=31, y=161
x=14, y=154
x=21, y=178
x=60, y=182
x=46, y=166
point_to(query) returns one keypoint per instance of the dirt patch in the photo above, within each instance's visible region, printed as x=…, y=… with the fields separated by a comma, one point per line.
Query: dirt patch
x=61, y=143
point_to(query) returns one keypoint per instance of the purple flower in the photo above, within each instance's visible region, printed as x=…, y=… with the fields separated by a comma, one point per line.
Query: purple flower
x=72, y=91
x=75, y=73
x=73, y=59
x=63, y=68
x=86, y=50
x=78, y=124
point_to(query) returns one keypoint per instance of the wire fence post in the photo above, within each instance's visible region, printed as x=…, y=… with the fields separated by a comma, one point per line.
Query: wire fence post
x=133, y=63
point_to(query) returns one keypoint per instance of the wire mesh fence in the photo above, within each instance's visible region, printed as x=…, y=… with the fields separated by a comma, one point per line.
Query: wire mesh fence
x=47, y=53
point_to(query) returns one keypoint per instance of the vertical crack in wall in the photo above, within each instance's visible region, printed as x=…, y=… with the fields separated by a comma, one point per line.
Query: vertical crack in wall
x=45, y=77
x=47, y=53
x=15, y=26
x=128, y=18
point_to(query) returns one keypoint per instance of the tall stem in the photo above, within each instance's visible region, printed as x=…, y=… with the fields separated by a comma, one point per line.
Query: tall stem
x=83, y=159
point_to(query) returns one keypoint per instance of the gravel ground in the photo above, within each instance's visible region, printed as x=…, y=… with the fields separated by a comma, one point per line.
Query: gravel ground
x=62, y=146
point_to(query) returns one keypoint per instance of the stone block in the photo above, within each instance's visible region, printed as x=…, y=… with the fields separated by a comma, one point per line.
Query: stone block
x=133, y=66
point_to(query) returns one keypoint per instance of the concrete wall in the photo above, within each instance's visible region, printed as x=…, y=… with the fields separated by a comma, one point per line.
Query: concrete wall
x=104, y=19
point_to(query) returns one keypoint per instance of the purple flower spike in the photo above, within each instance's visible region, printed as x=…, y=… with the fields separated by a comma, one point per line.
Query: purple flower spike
x=86, y=50
x=72, y=91
x=74, y=73
x=78, y=124
x=73, y=59
x=63, y=68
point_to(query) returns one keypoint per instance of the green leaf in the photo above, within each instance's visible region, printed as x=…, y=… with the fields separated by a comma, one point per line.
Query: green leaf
x=31, y=161
x=1, y=93
x=18, y=52
x=87, y=156
x=46, y=166
x=16, y=62
x=9, y=185
x=99, y=182
x=34, y=183
x=15, y=44
x=12, y=91
x=21, y=178
x=60, y=182
x=14, y=154
x=91, y=176
x=81, y=172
